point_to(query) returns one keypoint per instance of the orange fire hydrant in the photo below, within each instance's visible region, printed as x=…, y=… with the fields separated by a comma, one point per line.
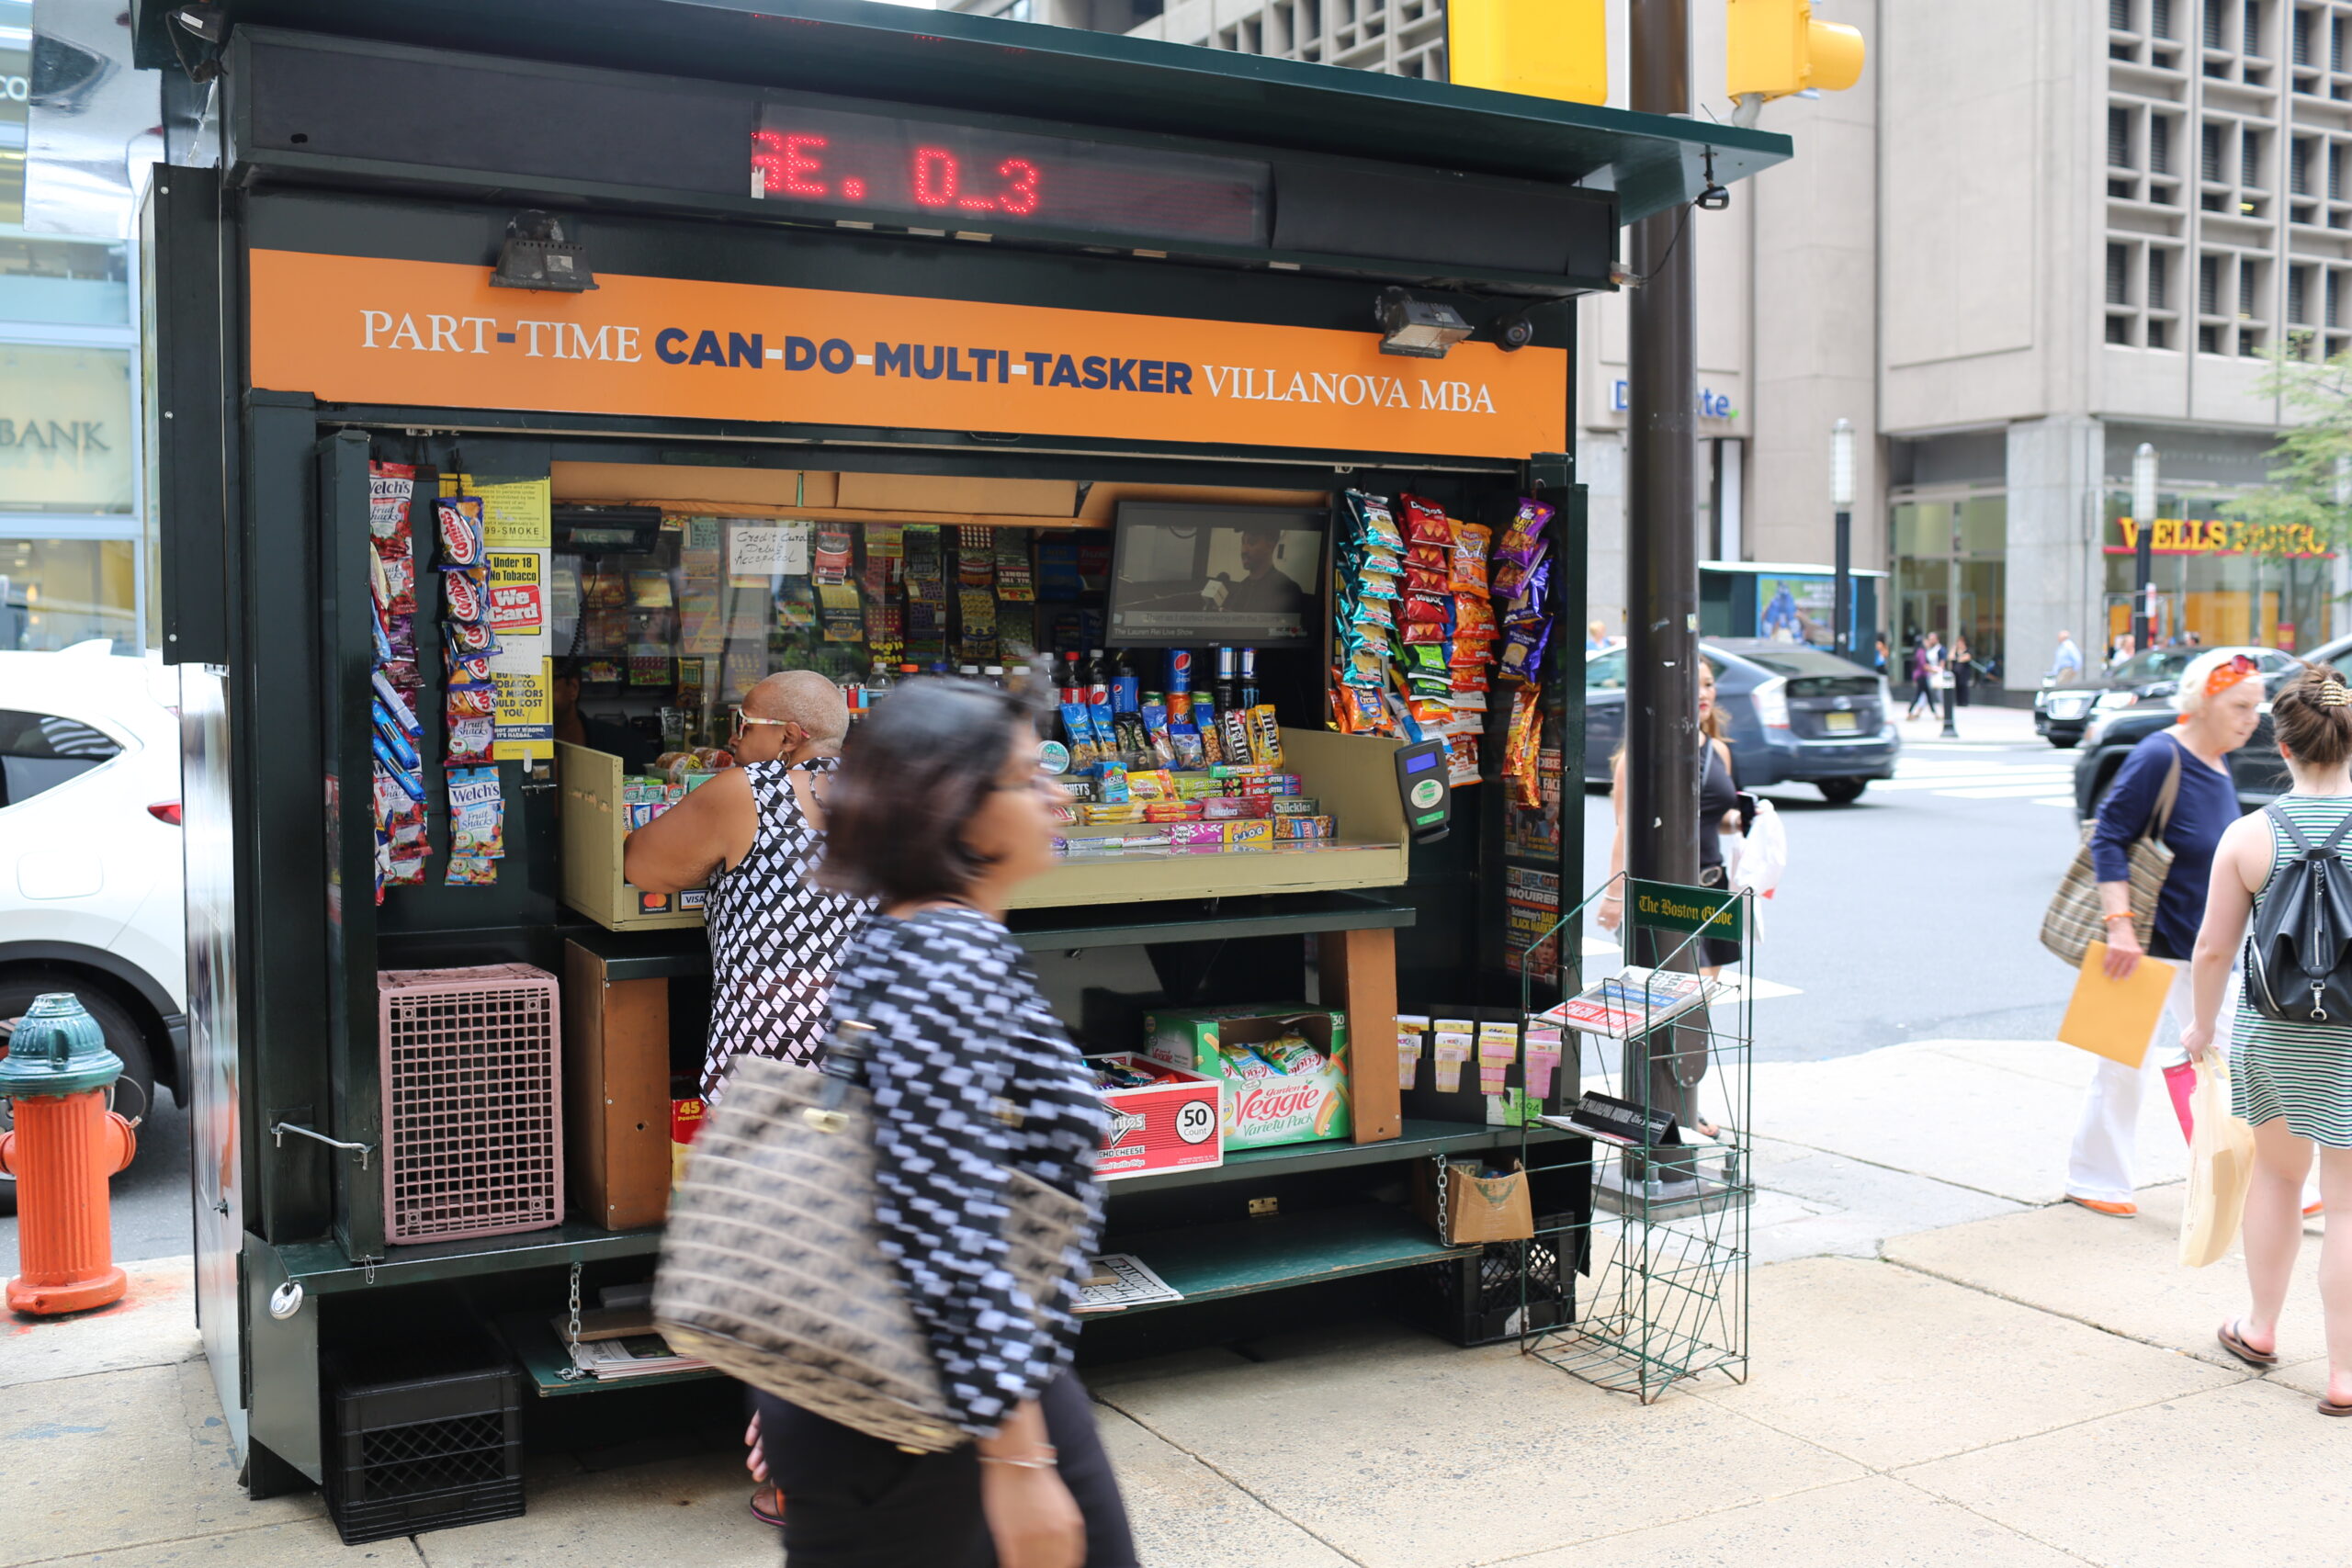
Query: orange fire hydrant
x=66, y=1144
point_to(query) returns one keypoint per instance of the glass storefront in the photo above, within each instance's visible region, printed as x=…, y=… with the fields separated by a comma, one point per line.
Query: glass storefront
x=2219, y=580
x=56, y=593
x=1951, y=570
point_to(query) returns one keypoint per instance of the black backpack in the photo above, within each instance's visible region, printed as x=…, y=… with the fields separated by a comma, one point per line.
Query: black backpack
x=2298, y=960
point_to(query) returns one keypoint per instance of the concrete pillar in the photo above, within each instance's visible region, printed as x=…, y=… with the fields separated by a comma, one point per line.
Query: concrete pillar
x=2055, y=468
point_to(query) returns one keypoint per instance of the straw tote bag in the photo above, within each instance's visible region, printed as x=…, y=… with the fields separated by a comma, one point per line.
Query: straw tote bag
x=2076, y=919
x=771, y=1268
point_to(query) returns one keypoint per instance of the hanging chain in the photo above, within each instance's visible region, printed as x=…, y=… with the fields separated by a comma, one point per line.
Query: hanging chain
x=1444, y=1229
x=570, y=1372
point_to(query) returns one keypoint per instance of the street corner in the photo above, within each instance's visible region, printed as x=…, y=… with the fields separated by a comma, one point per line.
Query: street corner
x=152, y=1324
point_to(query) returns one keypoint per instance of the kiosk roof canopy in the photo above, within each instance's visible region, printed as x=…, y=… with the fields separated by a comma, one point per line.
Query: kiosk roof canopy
x=957, y=60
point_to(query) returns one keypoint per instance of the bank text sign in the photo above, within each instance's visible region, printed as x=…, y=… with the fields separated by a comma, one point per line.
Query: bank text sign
x=427, y=333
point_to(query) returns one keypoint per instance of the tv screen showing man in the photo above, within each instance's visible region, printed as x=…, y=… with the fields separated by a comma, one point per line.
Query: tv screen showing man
x=1243, y=575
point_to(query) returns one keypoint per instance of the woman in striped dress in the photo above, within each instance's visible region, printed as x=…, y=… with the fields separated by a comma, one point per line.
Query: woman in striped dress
x=2292, y=1081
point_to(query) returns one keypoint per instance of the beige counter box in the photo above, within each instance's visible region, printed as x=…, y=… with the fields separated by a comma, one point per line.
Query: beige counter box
x=593, y=830
x=1354, y=776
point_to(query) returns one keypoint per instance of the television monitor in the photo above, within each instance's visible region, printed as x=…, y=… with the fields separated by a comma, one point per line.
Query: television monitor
x=1185, y=574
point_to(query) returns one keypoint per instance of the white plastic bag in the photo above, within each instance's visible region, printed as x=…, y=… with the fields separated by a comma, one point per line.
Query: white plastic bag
x=2220, y=1169
x=1763, y=854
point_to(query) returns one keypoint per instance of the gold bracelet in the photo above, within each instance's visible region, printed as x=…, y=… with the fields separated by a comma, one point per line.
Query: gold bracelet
x=2125, y=916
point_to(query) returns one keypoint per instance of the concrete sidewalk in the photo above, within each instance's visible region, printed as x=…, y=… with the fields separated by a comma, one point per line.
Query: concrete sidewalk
x=1948, y=1370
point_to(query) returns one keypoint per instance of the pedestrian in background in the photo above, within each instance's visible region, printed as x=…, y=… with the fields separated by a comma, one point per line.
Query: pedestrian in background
x=1964, y=671
x=2220, y=704
x=1878, y=655
x=1595, y=637
x=2118, y=651
x=938, y=813
x=2068, y=662
x=1927, y=663
x=2292, y=1081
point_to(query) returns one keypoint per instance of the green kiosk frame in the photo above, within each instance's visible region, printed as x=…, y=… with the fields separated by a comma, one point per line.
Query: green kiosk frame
x=341, y=170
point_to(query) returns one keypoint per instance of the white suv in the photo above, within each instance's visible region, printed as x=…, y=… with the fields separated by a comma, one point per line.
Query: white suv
x=90, y=866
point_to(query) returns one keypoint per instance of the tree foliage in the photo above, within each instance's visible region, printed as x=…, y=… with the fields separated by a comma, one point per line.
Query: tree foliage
x=2313, y=455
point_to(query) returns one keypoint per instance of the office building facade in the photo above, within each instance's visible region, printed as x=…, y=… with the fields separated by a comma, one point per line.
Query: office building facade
x=2035, y=236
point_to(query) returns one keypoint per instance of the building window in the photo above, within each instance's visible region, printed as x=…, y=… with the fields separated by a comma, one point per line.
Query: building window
x=2335, y=171
x=2209, y=340
x=2299, y=166
x=2158, y=262
x=2253, y=30
x=2118, y=15
x=2160, y=18
x=64, y=429
x=2159, y=144
x=56, y=593
x=2119, y=267
x=2249, y=278
x=2156, y=334
x=2304, y=20
x=2118, y=331
x=2250, y=160
x=2119, y=139
x=2297, y=294
x=2330, y=317
x=2212, y=167
x=2212, y=24
x=2208, y=285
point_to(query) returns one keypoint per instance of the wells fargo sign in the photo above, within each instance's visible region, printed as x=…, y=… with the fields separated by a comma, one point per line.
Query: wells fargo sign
x=367, y=330
x=2219, y=537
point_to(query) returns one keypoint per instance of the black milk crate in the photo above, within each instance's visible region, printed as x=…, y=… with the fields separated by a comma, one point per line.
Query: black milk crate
x=1476, y=1299
x=422, y=1441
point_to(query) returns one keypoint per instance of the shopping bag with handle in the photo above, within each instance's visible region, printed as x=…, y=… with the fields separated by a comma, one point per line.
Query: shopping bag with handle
x=2220, y=1169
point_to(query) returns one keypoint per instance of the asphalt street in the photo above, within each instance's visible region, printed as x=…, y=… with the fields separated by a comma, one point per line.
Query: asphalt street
x=1909, y=915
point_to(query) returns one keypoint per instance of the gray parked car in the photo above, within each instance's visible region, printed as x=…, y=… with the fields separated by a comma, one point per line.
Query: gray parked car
x=1797, y=716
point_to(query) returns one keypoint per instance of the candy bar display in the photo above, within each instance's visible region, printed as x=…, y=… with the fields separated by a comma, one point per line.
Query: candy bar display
x=399, y=795
x=1428, y=614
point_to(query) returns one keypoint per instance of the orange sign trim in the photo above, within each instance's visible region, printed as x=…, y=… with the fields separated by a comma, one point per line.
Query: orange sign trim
x=368, y=330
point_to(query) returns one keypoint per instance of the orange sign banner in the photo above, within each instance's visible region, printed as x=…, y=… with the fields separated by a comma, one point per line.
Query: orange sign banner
x=368, y=330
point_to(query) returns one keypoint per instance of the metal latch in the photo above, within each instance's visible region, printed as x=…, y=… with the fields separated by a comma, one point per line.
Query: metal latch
x=277, y=1138
x=1262, y=1206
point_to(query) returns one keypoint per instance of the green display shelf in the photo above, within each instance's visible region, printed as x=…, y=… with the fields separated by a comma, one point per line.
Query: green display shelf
x=1210, y=1263
x=1420, y=1140
x=535, y=1345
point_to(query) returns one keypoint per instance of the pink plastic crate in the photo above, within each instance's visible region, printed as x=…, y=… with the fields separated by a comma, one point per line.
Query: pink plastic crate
x=473, y=1123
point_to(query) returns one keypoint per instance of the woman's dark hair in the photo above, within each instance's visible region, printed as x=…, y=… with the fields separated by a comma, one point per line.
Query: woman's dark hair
x=913, y=774
x=2312, y=716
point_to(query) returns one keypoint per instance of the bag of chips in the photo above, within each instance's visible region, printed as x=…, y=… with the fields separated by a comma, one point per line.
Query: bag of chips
x=1469, y=558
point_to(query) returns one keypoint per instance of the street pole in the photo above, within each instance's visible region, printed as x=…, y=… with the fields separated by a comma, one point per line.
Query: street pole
x=2143, y=543
x=1841, y=502
x=1662, y=739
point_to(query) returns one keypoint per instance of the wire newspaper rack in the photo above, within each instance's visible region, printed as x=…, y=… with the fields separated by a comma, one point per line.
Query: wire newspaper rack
x=1668, y=1111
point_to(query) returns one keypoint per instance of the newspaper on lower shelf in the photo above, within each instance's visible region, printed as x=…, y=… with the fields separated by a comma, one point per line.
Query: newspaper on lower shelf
x=630, y=1356
x=1122, y=1280
x=1632, y=1002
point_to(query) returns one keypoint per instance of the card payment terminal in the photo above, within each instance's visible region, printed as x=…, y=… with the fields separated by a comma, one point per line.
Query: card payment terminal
x=1423, y=785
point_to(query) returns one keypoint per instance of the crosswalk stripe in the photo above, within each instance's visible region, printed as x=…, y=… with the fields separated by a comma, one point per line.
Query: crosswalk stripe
x=1999, y=792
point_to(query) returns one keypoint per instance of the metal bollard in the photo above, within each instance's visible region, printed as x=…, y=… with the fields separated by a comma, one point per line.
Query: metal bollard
x=66, y=1144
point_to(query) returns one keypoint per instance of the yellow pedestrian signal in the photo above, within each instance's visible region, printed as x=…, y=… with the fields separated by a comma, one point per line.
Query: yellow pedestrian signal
x=1774, y=48
x=1546, y=49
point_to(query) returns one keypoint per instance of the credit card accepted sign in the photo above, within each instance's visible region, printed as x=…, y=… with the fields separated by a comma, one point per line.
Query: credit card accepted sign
x=432, y=335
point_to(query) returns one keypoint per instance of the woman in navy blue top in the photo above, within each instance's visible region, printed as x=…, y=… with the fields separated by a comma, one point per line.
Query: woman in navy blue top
x=2220, y=701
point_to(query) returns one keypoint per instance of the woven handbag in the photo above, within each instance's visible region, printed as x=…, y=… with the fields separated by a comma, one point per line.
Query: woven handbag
x=2076, y=919
x=771, y=1268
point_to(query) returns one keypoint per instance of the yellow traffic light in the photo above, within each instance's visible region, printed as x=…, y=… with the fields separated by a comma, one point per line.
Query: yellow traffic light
x=1774, y=48
x=1546, y=49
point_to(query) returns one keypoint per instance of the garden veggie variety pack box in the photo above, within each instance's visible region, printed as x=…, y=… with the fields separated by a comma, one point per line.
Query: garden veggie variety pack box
x=1285, y=1069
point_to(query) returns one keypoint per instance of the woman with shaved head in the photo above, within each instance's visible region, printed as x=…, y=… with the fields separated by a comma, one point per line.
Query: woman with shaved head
x=753, y=835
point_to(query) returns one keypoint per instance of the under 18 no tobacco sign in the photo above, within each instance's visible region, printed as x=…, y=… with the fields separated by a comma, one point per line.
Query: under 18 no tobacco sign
x=369, y=330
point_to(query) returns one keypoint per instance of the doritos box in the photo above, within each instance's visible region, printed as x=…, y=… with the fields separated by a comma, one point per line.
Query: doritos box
x=1170, y=1125
x=1285, y=1069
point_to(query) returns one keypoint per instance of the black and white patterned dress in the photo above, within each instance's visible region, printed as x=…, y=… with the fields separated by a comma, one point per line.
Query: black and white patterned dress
x=972, y=1075
x=775, y=936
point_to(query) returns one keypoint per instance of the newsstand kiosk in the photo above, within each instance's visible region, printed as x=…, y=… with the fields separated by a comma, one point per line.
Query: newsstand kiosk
x=530, y=379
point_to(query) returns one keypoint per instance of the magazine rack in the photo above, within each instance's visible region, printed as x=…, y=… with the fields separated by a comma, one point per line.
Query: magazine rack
x=1666, y=1241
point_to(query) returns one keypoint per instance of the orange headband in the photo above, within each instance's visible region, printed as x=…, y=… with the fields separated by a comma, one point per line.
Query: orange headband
x=2224, y=676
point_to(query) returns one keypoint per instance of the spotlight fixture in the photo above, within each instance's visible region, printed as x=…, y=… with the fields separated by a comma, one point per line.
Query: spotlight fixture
x=1714, y=198
x=204, y=21
x=535, y=256
x=1418, y=329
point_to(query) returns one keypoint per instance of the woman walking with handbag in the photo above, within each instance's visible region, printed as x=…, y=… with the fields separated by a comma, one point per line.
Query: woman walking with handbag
x=2291, y=1080
x=937, y=812
x=2174, y=789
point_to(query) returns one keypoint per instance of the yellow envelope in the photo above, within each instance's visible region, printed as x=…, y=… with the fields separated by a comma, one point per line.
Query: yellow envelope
x=2116, y=1019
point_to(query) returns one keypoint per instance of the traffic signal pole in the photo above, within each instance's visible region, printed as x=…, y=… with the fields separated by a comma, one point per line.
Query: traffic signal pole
x=1662, y=739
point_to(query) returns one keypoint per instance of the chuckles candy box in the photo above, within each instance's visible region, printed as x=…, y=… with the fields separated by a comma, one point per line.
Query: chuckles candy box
x=1162, y=1117
x=1283, y=1069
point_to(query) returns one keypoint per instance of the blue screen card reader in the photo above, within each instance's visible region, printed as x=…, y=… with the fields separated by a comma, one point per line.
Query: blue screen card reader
x=1423, y=785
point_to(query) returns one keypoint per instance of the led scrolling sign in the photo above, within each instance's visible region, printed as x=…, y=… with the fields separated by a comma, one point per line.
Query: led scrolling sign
x=960, y=177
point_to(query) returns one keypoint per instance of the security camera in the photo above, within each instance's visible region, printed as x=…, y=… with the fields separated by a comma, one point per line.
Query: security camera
x=1514, y=332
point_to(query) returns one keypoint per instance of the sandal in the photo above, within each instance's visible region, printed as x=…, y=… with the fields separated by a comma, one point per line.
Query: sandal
x=768, y=1506
x=2234, y=1343
x=2329, y=1407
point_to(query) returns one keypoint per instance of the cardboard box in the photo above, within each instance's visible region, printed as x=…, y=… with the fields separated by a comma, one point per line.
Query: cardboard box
x=1169, y=1126
x=1268, y=1109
